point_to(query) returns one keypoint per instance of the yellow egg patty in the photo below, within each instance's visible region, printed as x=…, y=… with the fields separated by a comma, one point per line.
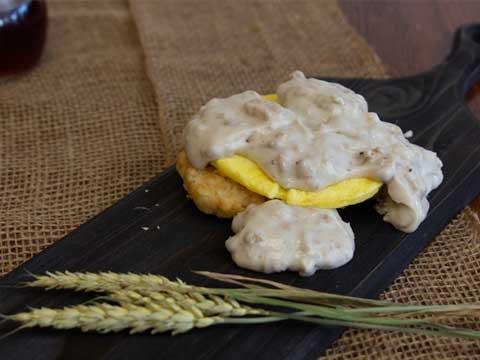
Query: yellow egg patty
x=249, y=174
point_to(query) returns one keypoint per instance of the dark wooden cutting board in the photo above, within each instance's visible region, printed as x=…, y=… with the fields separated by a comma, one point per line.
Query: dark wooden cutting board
x=156, y=229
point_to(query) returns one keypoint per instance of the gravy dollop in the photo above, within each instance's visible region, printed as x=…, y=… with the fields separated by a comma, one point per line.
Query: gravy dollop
x=274, y=236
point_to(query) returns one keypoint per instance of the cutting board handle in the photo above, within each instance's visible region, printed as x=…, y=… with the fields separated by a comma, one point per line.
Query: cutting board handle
x=463, y=62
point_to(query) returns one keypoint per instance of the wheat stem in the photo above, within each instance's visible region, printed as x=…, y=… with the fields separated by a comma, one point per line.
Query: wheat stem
x=155, y=303
x=106, y=281
x=105, y=318
x=195, y=302
x=143, y=289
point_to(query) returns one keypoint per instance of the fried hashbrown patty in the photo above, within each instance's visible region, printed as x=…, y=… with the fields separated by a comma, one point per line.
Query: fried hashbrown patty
x=213, y=193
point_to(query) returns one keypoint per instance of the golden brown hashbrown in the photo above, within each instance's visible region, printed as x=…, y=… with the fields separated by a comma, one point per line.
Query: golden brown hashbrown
x=211, y=192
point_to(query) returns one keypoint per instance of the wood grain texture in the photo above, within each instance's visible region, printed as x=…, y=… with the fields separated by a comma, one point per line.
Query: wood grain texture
x=411, y=36
x=156, y=229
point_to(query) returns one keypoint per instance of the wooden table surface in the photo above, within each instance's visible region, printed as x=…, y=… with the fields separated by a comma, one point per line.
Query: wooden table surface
x=411, y=36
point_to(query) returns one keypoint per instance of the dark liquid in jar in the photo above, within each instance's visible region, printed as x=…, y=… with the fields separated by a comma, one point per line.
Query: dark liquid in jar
x=23, y=25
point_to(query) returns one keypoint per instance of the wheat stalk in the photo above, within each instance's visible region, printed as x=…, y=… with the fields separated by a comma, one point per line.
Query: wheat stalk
x=155, y=303
x=143, y=289
x=105, y=318
x=194, y=302
x=106, y=282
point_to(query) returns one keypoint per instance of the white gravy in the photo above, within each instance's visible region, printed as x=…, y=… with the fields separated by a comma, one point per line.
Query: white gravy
x=274, y=236
x=322, y=133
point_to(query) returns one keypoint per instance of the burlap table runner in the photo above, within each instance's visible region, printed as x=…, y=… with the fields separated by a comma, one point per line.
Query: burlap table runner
x=78, y=132
x=83, y=128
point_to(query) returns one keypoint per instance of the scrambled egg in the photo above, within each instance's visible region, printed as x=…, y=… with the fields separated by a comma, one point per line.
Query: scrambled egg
x=251, y=176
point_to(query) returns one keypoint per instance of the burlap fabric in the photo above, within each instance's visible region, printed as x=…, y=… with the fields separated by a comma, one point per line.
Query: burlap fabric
x=84, y=128
x=78, y=132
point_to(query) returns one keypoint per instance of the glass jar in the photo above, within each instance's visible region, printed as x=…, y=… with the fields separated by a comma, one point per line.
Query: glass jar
x=23, y=25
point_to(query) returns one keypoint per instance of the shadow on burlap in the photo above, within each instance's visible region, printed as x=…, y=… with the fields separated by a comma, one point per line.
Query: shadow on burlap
x=83, y=129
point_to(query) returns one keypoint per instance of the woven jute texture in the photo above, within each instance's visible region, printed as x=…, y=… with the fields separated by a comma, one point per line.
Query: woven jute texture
x=446, y=272
x=196, y=50
x=84, y=128
x=78, y=132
